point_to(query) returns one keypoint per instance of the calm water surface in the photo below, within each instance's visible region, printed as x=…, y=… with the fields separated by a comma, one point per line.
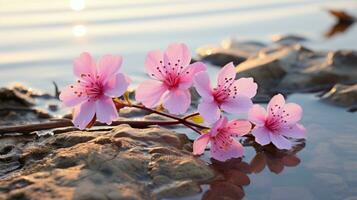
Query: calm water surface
x=39, y=39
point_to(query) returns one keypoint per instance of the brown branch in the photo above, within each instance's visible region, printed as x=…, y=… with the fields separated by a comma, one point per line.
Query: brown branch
x=67, y=123
x=190, y=115
x=60, y=123
x=183, y=121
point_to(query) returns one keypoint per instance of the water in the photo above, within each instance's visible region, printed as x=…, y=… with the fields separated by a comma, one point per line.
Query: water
x=39, y=40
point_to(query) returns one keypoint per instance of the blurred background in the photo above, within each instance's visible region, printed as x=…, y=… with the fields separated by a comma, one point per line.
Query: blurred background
x=39, y=39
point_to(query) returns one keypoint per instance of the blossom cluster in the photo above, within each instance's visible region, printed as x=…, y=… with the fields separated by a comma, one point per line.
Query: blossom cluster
x=172, y=75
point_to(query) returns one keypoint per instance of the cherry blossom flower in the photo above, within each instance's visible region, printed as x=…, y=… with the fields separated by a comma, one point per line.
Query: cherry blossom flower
x=221, y=136
x=230, y=95
x=92, y=94
x=278, y=124
x=172, y=76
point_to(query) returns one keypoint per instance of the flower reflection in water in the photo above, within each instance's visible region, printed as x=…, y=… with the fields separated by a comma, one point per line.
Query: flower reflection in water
x=233, y=174
x=274, y=158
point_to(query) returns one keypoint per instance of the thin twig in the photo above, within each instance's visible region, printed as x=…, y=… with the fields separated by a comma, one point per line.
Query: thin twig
x=191, y=115
x=194, y=129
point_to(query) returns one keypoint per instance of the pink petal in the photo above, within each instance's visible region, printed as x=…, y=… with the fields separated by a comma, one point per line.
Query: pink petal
x=296, y=131
x=200, y=144
x=239, y=104
x=150, y=92
x=220, y=123
x=83, y=114
x=257, y=115
x=239, y=127
x=203, y=86
x=276, y=105
x=154, y=64
x=280, y=141
x=226, y=75
x=246, y=87
x=177, y=101
x=68, y=96
x=234, y=150
x=178, y=54
x=117, y=85
x=209, y=110
x=105, y=110
x=262, y=135
x=108, y=66
x=186, y=79
x=84, y=65
x=292, y=113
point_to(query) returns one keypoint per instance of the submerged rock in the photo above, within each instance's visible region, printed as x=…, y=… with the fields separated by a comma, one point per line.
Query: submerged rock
x=342, y=95
x=124, y=163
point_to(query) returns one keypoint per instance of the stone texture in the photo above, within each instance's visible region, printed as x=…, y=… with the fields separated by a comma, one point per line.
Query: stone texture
x=342, y=95
x=288, y=39
x=229, y=51
x=123, y=163
x=17, y=107
x=294, y=68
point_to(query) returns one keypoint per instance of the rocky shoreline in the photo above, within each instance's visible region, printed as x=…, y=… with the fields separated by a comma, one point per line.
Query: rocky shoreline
x=122, y=162
x=288, y=67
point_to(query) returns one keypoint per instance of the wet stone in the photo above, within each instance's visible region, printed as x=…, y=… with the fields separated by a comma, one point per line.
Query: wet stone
x=294, y=68
x=124, y=163
x=17, y=107
x=288, y=39
x=342, y=95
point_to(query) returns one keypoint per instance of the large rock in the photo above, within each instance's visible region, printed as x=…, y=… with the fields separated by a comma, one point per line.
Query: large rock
x=229, y=51
x=342, y=95
x=289, y=69
x=17, y=107
x=124, y=163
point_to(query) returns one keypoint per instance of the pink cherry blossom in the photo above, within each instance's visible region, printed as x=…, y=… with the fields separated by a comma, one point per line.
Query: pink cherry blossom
x=221, y=136
x=92, y=94
x=278, y=124
x=230, y=95
x=172, y=76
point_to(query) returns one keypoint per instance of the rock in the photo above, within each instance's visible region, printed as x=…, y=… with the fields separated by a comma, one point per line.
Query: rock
x=132, y=112
x=178, y=189
x=219, y=56
x=342, y=95
x=14, y=98
x=289, y=69
x=123, y=163
x=16, y=107
x=53, y=107
x=229, y=51
x=288, y=39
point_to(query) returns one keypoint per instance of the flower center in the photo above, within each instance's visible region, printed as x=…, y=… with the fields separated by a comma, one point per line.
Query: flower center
x=95, y=90
x=93, y=87
x=222, y=140
x=277, y=119
x=172, y=81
